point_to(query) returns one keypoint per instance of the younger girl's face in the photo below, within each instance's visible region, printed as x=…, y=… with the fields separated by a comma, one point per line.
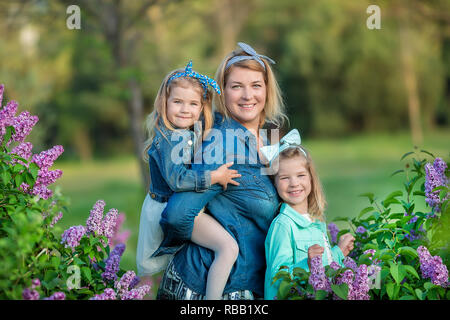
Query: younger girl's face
x=184, y=106
x=293, y=182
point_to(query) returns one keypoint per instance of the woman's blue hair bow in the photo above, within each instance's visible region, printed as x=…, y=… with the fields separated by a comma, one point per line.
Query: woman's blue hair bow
x=290, y=140
x=252, y=56
x=204, y=80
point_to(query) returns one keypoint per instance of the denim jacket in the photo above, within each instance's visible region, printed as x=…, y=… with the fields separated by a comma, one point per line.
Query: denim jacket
x=287, y=243
x=245, y=211
x=168, y=176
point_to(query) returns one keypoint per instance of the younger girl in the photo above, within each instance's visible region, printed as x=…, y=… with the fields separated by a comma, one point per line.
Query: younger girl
x=183, y=99
x=298, y=233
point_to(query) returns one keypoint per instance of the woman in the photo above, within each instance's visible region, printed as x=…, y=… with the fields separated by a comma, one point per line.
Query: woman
x=250, y=98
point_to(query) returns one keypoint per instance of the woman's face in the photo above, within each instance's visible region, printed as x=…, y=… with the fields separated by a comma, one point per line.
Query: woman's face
x=245, y=96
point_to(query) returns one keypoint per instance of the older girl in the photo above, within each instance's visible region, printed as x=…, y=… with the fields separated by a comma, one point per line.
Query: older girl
x=183, y=99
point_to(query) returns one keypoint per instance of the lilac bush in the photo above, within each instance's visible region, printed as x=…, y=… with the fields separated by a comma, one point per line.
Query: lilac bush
x=37, y=262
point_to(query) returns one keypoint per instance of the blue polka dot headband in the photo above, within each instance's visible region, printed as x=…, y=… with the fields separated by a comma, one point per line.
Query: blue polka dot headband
x=252, y=56
x=204, y=80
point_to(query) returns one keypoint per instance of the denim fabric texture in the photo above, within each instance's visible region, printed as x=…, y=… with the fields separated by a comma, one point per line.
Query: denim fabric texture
x=245, y=211
x=169, y=161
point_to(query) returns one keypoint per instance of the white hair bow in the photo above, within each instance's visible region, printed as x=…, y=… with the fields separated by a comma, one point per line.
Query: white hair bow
x=290, y=140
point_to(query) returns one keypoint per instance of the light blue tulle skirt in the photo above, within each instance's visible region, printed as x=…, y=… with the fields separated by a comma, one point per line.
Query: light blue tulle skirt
x=150, y=237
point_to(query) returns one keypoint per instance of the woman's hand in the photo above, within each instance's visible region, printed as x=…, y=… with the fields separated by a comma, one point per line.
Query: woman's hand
x=223, y=175
x=346, y=243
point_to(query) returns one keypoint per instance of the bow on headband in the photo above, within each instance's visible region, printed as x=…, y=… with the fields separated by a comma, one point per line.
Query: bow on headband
x=204, y=80
x=252, y=56
x=290, y=140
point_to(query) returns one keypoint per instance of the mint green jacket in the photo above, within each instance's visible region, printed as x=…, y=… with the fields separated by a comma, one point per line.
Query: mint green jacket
x=287, y=242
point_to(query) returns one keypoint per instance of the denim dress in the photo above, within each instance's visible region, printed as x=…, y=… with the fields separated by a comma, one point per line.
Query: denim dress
x=170, y=156
x=245, y=211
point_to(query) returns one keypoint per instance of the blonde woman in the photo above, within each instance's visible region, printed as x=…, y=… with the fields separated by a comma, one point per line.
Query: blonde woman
x=250, y=98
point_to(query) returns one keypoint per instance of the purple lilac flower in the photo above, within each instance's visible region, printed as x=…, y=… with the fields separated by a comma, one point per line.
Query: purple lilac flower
x=23, y=124
x=361, y=230
x=440, y=272
x=56, y=219
x=318, y=279
x=435, y=177
x=134, y=282
x=2, y=88
x=23, y=150
x=123, y=284
x=28, y=294
x=334, y=265
x=360, y=286
x=334, y=230
x=45, y=159
x=72, y=236
x=94, y=222
x=57, y=296
x=35, y=283
x=136, y=294
x=108, y=294
x=109, y=222
x=111, y=268
x=432, y=267
x=119, y=249
x=350, y=263
x=7, y=117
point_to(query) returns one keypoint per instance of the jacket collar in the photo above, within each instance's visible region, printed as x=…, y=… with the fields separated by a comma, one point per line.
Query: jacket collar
x=300, y=219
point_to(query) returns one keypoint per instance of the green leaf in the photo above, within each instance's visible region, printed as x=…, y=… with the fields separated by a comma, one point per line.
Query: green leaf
x=340, y=290
x=429, y=153
x=398, y=272
x=394, y=194
x=411, y=270
x=395, y=172
x=87, y=273
x=283, y=289
x=34, y=169
x=390, y=290
x=321, y=294
x=407, y=297
x=369, y=195
x=408, y=251
x=428, y=285
x=406, y=154
x=364, y=211
x=419, y=294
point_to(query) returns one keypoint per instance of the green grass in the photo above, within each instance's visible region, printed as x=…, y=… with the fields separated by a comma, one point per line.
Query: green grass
x=347, y=167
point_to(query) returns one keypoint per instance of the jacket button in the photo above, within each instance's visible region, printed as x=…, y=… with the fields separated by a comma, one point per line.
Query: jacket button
x=153, y=195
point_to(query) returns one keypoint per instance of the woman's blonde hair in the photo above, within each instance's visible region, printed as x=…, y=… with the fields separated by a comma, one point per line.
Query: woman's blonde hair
x=160, y=107
x=274, y=110
x=316, y=198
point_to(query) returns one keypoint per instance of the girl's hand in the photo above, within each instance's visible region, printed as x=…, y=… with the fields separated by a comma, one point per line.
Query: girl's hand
x=314, y=251
x=346, y=243
x=223, y=175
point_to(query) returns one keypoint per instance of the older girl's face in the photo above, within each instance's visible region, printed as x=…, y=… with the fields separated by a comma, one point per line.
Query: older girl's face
x=245, y=96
